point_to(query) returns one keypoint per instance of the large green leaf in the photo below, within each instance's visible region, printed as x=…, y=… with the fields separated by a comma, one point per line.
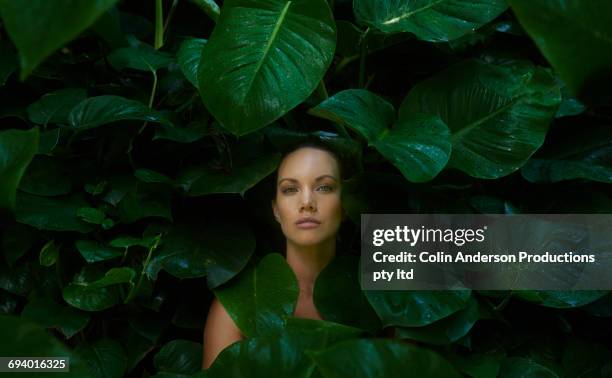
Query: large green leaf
x=188, y=57
x=106, y=358
x=498, y=114
x=54, y=107
x=416, y=308
x=576, y=38
x=217, y=250
x=366, y=358
x=100, y=110
x=560, y=298
x=179, y=357
x=586, y=155
x=279, y=355
x=49, y=314
x=93, y=251
x=17, y=148
x=261, y=296
x=23, y=337
x=263, y=59
x=429, y=20
x=338, y=296
x=44, y=26
x=418, y=145
x=92, y=291
x=54, y=214
x=446, y=330
x=199, y=181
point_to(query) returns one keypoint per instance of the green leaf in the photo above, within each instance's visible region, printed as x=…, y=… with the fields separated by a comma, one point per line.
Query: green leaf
x=416, y=308
x=141, y=203
x=570, y=105
x=209, y=7
x=100, y=110
x=515, y=367
x=560, y=298
x=49, y=314
x=106, y=358
x=279, y=355
x=53, y=214
x=44, y=26
x=198, y=181
x=498, y=114
x=45, y=176
x=418, y=145
x=261, y=296
x=586, y=155
x=130, y=241
x=576, y=38
x=142, y=57
x=93, y=251
x=91, y=215
x=263, y=59
x=22, y=337
x=338, y=296
x=90, y=291
x=17, y=148
x=429, y=20
x=49, y=253
x=381, y=358
x=54, y=107
x=188, y=56
x=217, y=250
x=446, y=330
x=179, y=357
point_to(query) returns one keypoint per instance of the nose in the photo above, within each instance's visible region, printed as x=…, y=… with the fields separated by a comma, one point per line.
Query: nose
x=308, y=202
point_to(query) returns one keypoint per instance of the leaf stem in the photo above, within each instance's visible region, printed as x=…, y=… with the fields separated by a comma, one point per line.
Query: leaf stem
x=135, y=288
x=159, y=25
x=170, y=14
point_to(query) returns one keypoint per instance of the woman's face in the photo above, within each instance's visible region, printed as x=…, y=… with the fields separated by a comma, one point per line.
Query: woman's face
x=307, y=203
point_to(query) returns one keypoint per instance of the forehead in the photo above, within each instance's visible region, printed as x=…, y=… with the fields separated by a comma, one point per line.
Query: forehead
x=308, y=162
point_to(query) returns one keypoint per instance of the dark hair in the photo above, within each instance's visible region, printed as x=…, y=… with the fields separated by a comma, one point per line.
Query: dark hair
x=318, y=144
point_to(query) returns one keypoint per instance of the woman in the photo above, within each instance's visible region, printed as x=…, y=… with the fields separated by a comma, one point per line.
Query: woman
x=308, y=207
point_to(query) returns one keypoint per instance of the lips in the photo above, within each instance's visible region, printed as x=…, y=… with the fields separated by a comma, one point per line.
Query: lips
x=307, y=223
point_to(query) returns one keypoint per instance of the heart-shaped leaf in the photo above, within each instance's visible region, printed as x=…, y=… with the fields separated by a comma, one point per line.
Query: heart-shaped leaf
x=430, y=20
x=416, y=308
x=263, y=59
x=44, y=26
x=261, y=296
x=100, y=110
x=49, y=314
x=179, y=357
x=418, y=145
x=54, y=107
x=498, y=114
x=576, y=38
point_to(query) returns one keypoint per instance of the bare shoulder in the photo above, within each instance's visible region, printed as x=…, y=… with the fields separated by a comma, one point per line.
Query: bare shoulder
x=220, y=332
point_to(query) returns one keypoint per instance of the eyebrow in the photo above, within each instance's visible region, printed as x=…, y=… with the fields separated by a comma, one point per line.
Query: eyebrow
x=317, y=179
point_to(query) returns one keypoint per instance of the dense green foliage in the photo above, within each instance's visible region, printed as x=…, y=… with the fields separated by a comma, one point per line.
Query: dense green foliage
x=138, y=141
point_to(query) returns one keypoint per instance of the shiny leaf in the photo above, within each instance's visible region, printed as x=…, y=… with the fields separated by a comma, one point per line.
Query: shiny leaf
x=263, y=59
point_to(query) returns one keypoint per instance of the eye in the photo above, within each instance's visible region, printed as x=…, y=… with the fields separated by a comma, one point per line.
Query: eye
x=326, y=188
x=289, y=190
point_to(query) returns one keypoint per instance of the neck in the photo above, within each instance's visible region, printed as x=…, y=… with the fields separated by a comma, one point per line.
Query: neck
x=308, y=261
